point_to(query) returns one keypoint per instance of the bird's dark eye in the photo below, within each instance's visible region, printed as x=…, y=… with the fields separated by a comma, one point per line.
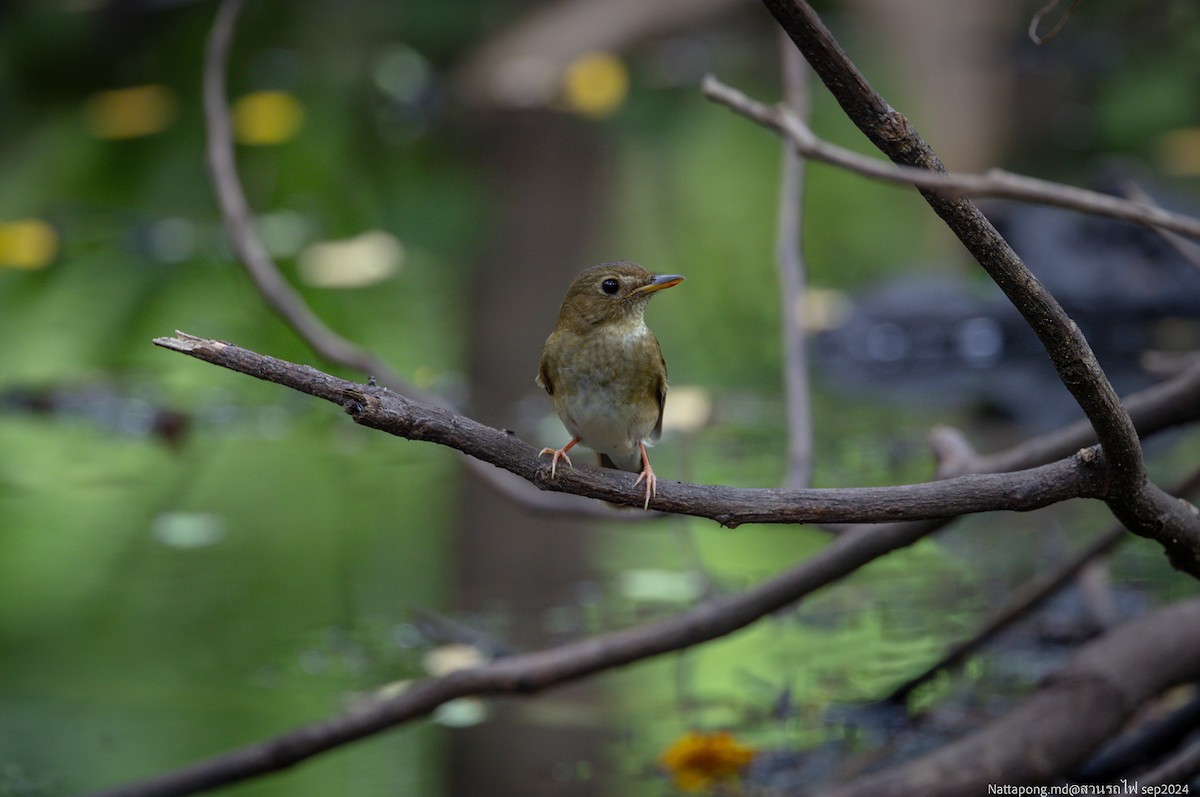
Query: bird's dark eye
x=610, y=286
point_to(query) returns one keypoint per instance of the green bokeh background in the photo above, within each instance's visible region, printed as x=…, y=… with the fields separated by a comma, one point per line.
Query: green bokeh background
x=163, y=603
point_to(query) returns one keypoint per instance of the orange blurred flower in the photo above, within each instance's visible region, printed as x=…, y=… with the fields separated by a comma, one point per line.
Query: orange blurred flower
x=698, y=761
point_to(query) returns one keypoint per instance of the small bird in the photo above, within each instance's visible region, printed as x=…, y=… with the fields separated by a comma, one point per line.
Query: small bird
x=605, y=371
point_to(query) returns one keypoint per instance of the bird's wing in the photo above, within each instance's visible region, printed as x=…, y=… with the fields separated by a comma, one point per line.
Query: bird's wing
x=662, y=397
x=543, y=374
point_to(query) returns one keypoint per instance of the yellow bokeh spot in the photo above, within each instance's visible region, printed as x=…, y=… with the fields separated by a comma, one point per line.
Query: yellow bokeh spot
x=698, y=761
x=131, y=112
x=1179, y=152
x=266, y=117
x=27, y=244
x=595, y=84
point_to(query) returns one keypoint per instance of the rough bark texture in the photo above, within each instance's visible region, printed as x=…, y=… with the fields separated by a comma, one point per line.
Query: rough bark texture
x=1083, y=475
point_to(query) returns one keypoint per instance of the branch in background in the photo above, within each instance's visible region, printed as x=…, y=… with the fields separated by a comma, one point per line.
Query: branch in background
x=793, y=278
x=239, y=221
x=1074, y=710
x=531, y=673
x=1021, y=601
x=1158, y=731
x=1079, y=476
x=1187, y=249
x=1142, y=506
x=290, y=305
x=1036, y=21
x=994, y=183
x=1182, y=767
x=1159, y=408
x=1029, y=596
x=1165, y=405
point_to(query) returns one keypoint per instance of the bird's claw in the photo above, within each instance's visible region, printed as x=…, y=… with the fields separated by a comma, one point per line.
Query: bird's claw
x=651, y=485
x=558, y=453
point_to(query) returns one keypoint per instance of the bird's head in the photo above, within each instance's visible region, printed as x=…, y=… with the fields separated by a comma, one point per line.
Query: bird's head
x=611, y=293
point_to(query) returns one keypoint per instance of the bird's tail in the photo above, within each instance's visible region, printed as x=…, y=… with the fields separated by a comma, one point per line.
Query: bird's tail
x=632, y=463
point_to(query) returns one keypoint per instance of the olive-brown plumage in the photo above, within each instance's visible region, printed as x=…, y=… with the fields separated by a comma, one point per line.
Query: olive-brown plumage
x=604, y=368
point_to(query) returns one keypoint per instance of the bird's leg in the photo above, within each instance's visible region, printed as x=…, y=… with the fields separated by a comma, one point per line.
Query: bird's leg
x=559, y=453
x=647, y=474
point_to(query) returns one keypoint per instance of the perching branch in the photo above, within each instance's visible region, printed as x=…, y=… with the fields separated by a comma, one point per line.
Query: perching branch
x=995, y=183
x=1157, y=409
x=1082, y=475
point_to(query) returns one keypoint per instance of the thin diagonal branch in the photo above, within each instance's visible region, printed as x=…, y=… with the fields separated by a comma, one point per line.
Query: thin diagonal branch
x=1027, y=597
x=993, y=183
x=1072, y=712
x=1036, y=21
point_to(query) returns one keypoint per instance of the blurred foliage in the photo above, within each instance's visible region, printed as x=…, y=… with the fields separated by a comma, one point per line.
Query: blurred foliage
x=163, y=599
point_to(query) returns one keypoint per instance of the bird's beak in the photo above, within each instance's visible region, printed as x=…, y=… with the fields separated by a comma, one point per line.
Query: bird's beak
x=660, y=282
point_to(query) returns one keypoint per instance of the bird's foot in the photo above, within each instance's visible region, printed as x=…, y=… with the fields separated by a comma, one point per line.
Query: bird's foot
x=559, y=453
x=651, y=485
x=647, y=474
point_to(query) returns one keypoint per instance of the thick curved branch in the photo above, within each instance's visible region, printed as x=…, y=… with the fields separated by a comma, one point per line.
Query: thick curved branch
x=995, y=183
x=892, y=133
x=1074, y=711
x=1144, y=508
x=1083, y=475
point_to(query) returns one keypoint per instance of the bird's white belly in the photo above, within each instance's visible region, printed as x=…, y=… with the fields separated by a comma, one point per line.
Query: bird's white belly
x=600, y=419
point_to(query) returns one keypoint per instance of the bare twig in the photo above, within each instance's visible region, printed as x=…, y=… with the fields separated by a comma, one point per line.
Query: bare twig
x=290, y=305
x=1180, y=768
x=1188, y=250
x=1168, y=404
x=1142, y=506
x=239, y=221
x=1079, y=476
x=1021, y=601
x=1032, y=594
x=1028, y=596
x=1036, y=21
x=793, y=279
x=993, y=183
